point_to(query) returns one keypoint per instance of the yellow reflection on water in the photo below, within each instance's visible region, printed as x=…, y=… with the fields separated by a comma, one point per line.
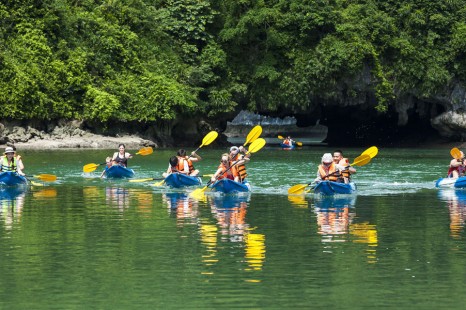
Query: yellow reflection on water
x=366, y=233
x=45, y=193
x=255, y=251
x=209, y=240
x=298, y=201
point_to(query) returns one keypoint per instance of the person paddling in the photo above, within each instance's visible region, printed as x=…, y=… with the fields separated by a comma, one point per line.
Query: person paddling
x=226, y=170
x=327, y=170
x=288, y=141
x=238, y=155
x=172, y=166
x=343, y=165
x=9, y=161
x=457, y=167
x=121, y=157
x=186, y=162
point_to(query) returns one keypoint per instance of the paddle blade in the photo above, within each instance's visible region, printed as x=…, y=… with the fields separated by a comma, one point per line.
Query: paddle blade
x=299, y=143
x=372, y=151
x=46, y=177
x=90, y=167
x=145, y=151
x=280, y=137
x=256, y=145
x=198, y=192
x=209, y=138
x=361, y=160
x=253, y=134
x=455, y=153
x=159, y=183
x=297, y=189
x=36, y=184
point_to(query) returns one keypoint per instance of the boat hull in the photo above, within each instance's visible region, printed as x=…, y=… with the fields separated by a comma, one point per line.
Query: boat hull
x=229, y=186
x=286, y=146
x=330, y=188
x=178, y=180
x=10, y=178
x=451, y=182
x=118, y=172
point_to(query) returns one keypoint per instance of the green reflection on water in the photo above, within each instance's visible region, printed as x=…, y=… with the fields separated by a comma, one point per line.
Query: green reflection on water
x=91, y=243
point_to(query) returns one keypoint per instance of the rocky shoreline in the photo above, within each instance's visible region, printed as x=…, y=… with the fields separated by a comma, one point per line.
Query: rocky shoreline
x=67, y=135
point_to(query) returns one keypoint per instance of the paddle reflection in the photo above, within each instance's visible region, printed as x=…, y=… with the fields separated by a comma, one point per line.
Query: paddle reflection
x=12, y=203
x=456, y=202
x=334, y=214
x=299, y=201
x=182, y=206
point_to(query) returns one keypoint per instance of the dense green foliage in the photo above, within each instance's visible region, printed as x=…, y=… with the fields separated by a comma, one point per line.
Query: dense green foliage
x=153, y=60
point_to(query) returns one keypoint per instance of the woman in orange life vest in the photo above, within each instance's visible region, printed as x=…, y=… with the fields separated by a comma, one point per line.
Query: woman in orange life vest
x=225, y=170
x=343, y=165
x=238, y=155
x=457, y=167
x=9, y=162
x=185, y=163
x=327, y=170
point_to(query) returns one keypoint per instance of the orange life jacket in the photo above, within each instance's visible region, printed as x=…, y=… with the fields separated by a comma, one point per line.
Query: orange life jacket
x=230, y=174
x=344, y=162
x=181, y=161
x=180, y=165
x=241, y=168
x=329, y=175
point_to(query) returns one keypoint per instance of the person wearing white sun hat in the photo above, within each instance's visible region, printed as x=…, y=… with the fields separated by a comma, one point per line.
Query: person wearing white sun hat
x=9, y=162
x=327, y=170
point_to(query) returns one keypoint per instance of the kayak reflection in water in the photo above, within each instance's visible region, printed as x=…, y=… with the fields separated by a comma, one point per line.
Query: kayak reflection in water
x=334, y=215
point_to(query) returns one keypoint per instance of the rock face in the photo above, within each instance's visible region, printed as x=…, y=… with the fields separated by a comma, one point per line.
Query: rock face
x=452, y=123
x=65, y=135
x=238, y=129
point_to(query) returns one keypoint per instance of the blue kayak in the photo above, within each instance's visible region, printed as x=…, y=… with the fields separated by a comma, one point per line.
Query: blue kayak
x=11, y=178
x=287, y=146
x=178, y=180
x=118, y=172
x=451, y=182
x=329, y=188
x=229, y=186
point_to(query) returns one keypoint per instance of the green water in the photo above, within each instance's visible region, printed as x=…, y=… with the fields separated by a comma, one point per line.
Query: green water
x=83, y=242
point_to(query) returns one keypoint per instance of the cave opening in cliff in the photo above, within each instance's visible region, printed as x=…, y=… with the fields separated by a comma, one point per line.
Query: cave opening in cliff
x=353, y=126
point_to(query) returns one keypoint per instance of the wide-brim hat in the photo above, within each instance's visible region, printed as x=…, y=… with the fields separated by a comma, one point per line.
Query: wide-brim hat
x=9, y=150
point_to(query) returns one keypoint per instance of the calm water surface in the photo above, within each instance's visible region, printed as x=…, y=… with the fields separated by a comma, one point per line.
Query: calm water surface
x=83, y=242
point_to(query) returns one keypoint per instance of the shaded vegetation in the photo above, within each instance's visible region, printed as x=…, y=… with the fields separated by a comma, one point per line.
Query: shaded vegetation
x=140, y=60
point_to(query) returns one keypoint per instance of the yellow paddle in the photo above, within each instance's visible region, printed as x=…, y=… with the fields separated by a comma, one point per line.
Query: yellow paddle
x=455, y=153
x=208, y=139
x=297, y=142
x=253, y=148
x=358, y=161
x=91, y=167
x=372, y=151
x=44, y=177
x=253, y=134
